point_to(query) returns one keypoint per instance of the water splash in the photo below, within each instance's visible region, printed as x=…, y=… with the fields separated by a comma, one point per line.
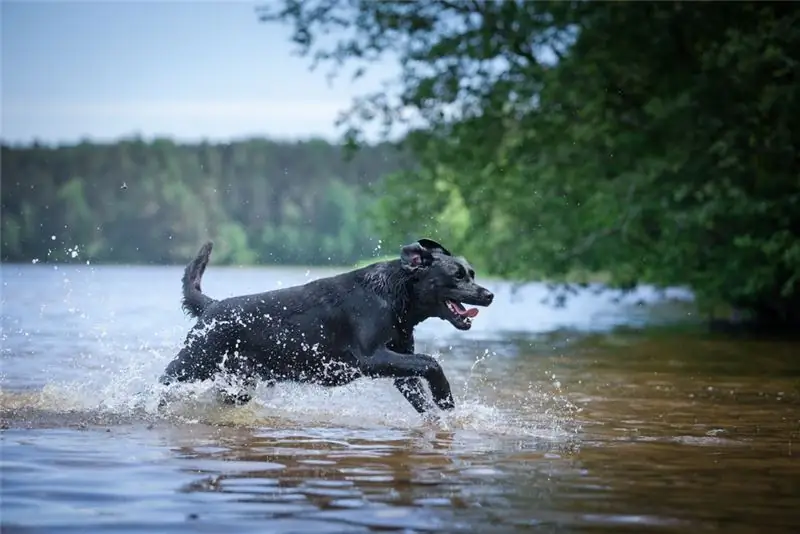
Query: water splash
x=101, y=351
x=133, y=393
x=123, y=386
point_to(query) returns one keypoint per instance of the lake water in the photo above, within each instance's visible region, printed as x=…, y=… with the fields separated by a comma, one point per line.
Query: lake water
x=577, y=419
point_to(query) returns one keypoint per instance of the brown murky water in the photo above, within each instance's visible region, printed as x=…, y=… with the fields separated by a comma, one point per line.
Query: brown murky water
x=574, y=426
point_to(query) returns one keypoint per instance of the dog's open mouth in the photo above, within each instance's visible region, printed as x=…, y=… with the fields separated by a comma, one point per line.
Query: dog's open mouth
x=460, y=317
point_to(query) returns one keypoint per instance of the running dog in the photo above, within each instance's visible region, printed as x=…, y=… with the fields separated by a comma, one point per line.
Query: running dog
x=333, y=330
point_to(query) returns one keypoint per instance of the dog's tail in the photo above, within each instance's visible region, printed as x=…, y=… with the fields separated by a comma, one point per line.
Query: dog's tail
x=194, y=301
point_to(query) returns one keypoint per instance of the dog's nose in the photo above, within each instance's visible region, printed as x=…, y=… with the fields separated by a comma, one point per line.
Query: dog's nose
x=488, y=295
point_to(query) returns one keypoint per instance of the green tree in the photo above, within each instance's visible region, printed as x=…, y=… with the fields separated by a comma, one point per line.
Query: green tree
x=656, y=142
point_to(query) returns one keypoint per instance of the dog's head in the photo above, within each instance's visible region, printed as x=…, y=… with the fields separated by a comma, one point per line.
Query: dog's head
x=442, y=283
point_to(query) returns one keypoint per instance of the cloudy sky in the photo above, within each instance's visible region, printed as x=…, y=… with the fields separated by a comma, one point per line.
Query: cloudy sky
x=187, y=69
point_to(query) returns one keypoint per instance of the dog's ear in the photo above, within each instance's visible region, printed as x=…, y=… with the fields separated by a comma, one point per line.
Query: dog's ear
x=433, y=246
x=420, y=254
x=415, y=255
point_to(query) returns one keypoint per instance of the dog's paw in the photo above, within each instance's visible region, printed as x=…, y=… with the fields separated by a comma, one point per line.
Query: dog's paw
x=446, y=404
x=165, y=401
x=432, y=418
x=236, y=399
x=435, y=421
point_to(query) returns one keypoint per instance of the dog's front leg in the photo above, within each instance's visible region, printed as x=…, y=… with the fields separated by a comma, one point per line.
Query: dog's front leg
x=411, y=388
x=414, y=392
x=385, y=363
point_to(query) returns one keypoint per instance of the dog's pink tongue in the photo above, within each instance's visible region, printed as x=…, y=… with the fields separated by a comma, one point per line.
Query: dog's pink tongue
x=471, y=312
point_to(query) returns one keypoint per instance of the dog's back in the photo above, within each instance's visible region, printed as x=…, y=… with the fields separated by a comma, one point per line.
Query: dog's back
x=289, y=333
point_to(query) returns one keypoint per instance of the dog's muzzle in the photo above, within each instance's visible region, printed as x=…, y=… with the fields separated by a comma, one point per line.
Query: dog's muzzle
x=460, y=316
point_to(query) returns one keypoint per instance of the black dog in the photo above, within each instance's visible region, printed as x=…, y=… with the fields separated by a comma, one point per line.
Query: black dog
x=333, y=330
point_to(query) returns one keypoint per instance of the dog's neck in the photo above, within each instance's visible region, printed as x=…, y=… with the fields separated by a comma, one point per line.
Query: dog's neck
x=394, y=284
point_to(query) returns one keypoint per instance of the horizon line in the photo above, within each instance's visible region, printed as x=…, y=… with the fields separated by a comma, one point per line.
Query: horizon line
x=184, y=140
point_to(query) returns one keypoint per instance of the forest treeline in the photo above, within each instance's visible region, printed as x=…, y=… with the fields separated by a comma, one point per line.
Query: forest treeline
x=136, y=201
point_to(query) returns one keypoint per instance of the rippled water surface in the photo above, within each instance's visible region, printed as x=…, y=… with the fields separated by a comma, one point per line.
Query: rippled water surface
x=567, y=421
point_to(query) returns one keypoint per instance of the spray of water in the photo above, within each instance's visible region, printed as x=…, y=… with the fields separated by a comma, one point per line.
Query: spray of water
x=131, y=392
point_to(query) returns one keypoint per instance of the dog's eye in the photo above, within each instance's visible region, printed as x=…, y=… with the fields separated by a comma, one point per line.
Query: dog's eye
x=460, y=274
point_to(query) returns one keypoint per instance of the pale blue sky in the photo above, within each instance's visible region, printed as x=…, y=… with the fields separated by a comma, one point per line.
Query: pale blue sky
x=186, y=69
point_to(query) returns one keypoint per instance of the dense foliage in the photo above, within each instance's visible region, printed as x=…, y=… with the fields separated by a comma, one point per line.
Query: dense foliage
x=156, y=202
x=654, y=141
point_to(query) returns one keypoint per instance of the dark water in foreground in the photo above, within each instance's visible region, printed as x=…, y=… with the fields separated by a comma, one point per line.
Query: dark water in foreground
x=564, y=423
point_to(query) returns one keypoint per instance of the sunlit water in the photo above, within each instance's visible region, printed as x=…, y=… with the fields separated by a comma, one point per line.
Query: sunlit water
x=564, y=422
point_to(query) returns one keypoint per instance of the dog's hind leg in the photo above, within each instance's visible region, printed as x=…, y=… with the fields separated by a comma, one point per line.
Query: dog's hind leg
x=387, y=364
x=194, y=363
x=241, y=369
x=240, y=396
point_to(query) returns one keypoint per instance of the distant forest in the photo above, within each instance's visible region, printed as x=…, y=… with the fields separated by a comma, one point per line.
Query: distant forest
x=155, y=202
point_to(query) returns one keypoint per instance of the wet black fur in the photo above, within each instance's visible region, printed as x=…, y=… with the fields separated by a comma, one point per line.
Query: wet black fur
x=333, y=330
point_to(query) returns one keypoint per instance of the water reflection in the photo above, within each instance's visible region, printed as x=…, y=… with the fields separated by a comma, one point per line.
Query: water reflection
x=421, y=479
